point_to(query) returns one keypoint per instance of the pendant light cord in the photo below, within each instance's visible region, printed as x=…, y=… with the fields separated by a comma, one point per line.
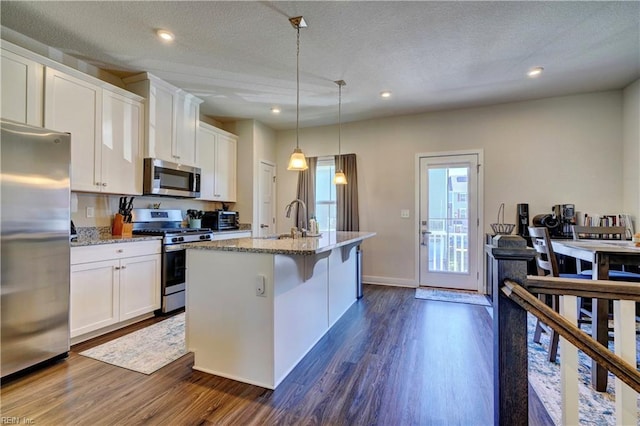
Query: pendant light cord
x=298, y=87
x=340, y=127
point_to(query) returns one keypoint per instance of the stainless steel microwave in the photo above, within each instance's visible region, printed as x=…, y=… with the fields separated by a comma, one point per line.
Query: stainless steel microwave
x=170, y=179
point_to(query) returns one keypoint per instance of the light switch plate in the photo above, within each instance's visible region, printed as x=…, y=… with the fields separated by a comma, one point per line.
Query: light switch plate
x=90, y=212
x=404, y=213
x=260, y=286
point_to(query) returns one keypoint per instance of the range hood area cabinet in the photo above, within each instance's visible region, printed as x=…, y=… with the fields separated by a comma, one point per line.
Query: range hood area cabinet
x=172, y=117
x=106, y=132
x=217, y=159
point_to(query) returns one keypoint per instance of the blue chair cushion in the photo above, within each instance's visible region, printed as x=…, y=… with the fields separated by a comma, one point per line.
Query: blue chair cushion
x=576, y=276
x=615, y=275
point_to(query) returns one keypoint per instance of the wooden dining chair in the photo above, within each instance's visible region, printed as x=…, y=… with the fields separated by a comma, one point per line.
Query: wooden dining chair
x=547, y=264
x=616, y=233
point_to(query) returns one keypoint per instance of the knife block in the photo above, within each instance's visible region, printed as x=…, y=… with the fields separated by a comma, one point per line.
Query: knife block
x=120, y=227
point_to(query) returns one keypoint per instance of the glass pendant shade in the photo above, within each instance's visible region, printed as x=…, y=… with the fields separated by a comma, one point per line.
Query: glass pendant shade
x=340, y=178
x=297, y=161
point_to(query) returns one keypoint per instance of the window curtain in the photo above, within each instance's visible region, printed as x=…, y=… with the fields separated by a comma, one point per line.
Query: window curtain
x=347, y=195
x=307, y=193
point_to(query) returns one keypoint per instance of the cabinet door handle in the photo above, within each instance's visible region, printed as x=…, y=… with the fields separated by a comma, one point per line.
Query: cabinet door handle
x=123, y=267
x=120, y=251
x=117, y=268
x=262, y=225
x=98, y=183
x=104, y=183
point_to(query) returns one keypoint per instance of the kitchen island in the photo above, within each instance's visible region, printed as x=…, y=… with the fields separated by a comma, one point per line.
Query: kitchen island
x=255, y=307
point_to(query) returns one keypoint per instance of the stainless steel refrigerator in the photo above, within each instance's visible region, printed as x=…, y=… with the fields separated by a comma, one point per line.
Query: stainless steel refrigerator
x=34, y=249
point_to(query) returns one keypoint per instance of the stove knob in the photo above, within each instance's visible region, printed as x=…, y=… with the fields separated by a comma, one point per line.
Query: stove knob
x=174, y=240
x=180, y=238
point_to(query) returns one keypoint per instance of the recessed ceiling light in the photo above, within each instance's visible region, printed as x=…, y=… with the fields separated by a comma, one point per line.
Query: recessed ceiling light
x=165, y=35
x=535, y=72
x=275, y=110
x=385, y=94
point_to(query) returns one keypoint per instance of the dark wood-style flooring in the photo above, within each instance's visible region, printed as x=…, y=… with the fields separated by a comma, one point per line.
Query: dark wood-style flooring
x=391, y=360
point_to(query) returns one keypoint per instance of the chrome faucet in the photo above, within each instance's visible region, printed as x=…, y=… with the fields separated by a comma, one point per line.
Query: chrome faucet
x=304, y=217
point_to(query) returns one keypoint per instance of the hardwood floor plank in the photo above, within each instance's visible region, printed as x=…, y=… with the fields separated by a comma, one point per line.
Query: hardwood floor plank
x=391, y=360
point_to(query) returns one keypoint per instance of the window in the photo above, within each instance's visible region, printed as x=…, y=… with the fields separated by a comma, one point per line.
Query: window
x=325, y=194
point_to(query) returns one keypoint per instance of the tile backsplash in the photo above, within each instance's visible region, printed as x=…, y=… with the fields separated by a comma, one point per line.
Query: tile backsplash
x=104, y=206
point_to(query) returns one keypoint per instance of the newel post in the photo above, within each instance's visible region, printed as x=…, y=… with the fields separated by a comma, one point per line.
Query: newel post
x=508, y=255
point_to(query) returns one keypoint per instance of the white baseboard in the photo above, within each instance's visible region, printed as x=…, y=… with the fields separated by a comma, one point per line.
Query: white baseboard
x=394, y=282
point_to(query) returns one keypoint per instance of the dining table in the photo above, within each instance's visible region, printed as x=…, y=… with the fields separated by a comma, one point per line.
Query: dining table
x=601, y=254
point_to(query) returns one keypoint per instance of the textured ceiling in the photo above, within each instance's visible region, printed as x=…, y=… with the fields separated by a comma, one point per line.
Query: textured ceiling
x=239, y=57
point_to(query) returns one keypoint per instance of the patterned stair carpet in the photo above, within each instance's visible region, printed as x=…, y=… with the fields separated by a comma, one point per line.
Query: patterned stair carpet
x=145, y=350
x=452, y=296
x=595, y=408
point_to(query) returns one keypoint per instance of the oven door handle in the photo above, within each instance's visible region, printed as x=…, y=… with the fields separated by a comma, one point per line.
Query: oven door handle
x=173, y=247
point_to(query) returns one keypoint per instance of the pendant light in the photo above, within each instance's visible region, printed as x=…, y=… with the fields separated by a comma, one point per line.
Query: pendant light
x=339, y=178
x=297, y=162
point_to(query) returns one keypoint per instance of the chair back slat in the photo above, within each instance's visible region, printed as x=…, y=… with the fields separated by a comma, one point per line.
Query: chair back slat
x=546, y=258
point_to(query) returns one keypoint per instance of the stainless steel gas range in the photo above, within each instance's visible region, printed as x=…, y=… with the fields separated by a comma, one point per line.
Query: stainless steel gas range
x=168, y=224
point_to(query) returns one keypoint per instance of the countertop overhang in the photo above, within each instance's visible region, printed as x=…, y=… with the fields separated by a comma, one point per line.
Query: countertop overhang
x=291, y=246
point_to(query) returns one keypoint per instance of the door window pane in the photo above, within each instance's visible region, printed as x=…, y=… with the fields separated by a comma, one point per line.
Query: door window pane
x=448, y=223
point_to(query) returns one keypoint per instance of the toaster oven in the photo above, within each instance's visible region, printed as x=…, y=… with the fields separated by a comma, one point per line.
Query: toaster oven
x=220, y=220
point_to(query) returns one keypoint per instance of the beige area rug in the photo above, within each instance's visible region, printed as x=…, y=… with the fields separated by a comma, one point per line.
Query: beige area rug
x=452, y=296
x=145, y=350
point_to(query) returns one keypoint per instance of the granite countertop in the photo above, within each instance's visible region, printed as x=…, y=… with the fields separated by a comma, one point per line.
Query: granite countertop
x=110, y=239
x=298, y=246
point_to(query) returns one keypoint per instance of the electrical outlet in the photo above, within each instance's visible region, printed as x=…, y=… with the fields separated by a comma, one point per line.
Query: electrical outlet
x=404, y=213
x=260, y=286
x=90, y=212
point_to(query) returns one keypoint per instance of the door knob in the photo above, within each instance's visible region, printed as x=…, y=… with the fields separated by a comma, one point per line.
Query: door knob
x=424, y=234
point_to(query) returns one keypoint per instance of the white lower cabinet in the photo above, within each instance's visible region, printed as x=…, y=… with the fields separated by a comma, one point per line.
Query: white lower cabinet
x=94, y=296
x=123, y=286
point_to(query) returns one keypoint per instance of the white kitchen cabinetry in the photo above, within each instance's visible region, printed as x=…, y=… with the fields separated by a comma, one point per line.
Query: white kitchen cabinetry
x=122, y=138
x=106, y=132
x=22, y=88
x=172, y=118
x=113, y=283
x=217, y=158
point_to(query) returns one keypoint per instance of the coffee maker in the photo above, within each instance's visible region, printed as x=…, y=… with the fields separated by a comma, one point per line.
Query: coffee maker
x=523, y=220
x=566, y=215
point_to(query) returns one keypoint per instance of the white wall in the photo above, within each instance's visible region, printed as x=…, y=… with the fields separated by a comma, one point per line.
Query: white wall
x=631, y=135
x=544, y=152
x=255, y=142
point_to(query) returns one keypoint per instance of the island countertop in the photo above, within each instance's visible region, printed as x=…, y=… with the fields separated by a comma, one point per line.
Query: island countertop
x=291, y=246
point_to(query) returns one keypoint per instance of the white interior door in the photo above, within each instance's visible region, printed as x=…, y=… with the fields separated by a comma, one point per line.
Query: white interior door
x=449, y=222
x=267, y=199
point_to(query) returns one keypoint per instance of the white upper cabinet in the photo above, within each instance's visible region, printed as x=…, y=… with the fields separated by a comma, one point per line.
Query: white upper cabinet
x=122, y=139
x=216, y=155
x=171, y=120
x=22, y=88
x=75, y=106
x=106, y=133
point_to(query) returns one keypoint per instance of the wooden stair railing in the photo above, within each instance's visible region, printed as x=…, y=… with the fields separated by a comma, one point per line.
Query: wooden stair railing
x=512, y=293
x=614, y=290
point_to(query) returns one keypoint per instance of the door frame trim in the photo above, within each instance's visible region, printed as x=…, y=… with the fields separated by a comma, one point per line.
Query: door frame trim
x=480, y=210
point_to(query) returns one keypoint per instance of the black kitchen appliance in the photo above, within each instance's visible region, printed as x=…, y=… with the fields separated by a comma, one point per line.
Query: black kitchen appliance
x=566, y=214
x=221, y=220
x=523, y=220
x=168, y=224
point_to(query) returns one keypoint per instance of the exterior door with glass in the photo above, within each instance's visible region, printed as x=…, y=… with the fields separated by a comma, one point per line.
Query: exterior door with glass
x=449, y=222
